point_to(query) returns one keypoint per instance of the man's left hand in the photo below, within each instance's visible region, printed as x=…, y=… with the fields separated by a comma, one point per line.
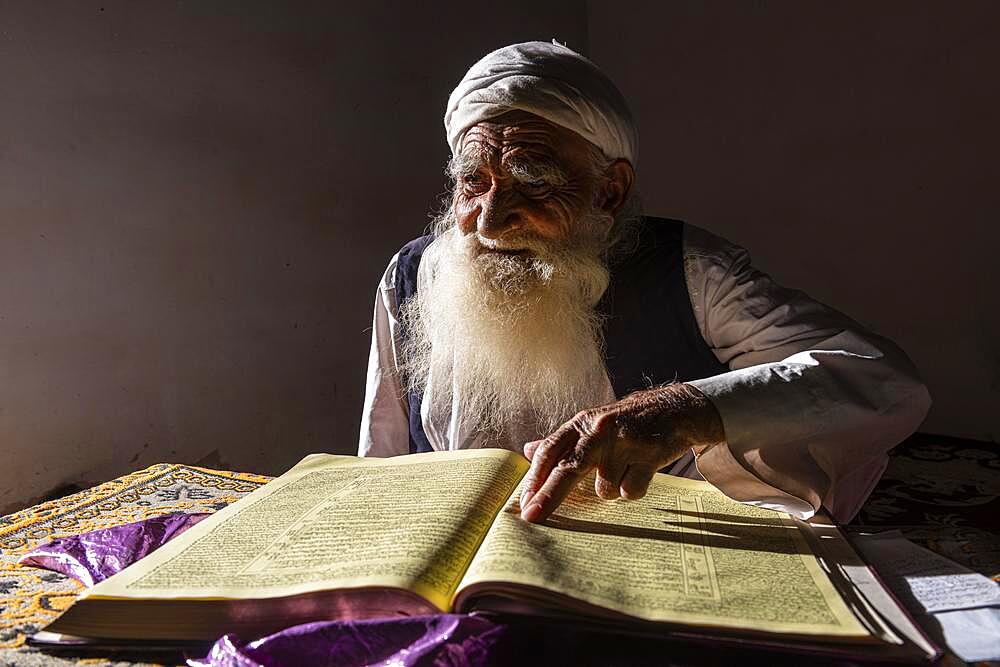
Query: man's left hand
x=626, y=441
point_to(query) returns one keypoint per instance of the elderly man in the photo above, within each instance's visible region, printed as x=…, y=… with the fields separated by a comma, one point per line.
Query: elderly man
x=544, y=312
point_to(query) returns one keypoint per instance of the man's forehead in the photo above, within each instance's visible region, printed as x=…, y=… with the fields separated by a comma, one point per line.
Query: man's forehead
x=525, y=136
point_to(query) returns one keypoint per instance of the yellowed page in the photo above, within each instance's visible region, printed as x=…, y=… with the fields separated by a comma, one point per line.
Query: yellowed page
x=411, y=522
x=685, y=553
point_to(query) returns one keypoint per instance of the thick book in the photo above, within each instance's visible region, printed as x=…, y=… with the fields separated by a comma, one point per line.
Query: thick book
x=344, y=537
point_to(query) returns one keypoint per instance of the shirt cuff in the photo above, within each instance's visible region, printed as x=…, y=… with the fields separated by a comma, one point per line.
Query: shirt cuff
x=721, y=469
x=736, y=468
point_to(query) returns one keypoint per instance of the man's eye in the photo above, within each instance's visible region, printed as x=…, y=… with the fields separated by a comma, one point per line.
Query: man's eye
x=535, y=186
x=474, y=182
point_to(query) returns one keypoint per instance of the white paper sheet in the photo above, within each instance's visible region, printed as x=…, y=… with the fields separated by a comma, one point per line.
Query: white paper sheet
x=937, y=583
x=972, y=634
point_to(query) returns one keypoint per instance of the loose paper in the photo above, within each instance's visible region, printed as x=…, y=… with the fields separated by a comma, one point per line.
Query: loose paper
x=935, y=582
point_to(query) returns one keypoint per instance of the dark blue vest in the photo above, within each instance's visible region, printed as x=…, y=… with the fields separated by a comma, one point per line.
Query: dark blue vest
x=650, y=332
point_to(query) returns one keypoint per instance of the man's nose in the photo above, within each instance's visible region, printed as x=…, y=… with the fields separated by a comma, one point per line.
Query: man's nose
x=499, y=214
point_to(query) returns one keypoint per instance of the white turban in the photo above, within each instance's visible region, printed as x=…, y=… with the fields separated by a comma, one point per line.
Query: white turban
x=550, y=81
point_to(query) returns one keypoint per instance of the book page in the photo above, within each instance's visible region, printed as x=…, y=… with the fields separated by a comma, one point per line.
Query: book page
x=411, y=522
x=684, y=553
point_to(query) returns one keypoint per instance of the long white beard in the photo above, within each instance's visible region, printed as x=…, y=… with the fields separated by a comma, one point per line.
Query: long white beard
x=515, y=337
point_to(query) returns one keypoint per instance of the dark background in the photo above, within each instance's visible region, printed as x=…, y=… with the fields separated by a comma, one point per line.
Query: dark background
x=197, y=198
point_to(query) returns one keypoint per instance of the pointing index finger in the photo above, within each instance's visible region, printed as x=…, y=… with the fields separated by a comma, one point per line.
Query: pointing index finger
x=543, y=459
x=563, y=479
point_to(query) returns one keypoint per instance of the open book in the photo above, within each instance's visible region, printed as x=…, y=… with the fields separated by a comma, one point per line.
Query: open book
x=346, y=537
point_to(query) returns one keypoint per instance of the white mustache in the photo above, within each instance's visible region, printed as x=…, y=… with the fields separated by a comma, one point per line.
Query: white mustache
x=517, y=243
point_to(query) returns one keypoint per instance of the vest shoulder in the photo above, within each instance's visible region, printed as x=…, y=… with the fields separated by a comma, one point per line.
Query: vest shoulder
x=662, y=227
x=416, y=247
x=648, y=240
x=408, y=265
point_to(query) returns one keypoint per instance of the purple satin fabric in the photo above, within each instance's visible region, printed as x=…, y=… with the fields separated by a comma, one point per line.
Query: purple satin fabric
x=443, y=640
x=95, y=556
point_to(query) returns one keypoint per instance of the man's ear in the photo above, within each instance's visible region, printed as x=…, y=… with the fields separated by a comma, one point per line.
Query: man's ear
x=614, y=192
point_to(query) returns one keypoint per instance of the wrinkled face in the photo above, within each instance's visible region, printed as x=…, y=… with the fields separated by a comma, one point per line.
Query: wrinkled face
x=518, y=176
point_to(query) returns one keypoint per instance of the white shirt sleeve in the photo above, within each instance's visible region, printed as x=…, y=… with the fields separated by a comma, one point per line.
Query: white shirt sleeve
x=813, y=401
x=385, y=428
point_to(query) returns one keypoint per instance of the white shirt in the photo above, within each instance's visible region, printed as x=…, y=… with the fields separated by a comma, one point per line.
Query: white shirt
x=811, y=404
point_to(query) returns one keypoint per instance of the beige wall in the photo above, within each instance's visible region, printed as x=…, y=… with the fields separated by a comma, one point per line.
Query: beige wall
x=853, y=147
x=196, y=201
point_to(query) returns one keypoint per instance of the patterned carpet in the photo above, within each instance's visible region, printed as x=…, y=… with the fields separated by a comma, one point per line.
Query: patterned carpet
x=940, y=492
x=30, y=598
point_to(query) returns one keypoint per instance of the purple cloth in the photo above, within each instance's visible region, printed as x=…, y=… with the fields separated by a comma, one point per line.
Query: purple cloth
x=443, y=640
x=95, y=556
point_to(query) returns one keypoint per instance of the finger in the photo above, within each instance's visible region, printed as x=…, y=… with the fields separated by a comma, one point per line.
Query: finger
x=610, y=472
x=561, y=480
x=636, y=481
x=544, y=458
x=530, y=448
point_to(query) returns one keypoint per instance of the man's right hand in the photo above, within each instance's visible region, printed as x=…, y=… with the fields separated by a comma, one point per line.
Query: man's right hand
x=626, y=441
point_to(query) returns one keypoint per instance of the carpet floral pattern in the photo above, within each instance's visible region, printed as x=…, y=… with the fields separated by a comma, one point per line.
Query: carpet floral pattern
x=30, y=598
x=944, y=494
